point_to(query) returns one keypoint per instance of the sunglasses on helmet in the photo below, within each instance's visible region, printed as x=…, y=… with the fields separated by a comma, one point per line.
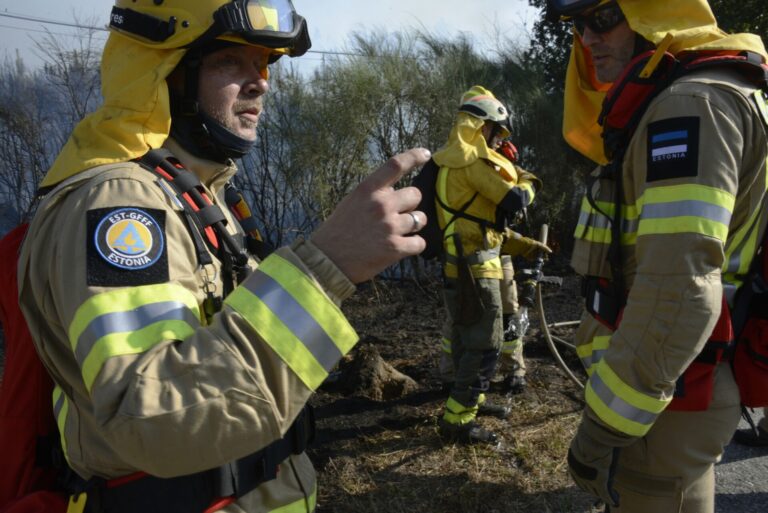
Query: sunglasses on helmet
x=601, y=20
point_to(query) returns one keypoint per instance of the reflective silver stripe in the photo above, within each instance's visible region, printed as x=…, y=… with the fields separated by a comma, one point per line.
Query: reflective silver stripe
x=58, y=404
x=598, y=221
x=283, y=306
x=729, y=290
x=593, y=358
x=482, y=256
x=131, y=320
x=690, y=208
x=618, y=405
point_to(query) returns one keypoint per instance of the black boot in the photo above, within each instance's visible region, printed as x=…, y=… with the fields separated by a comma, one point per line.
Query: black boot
x=515, y=384
x=470, y=433
x=494, y=410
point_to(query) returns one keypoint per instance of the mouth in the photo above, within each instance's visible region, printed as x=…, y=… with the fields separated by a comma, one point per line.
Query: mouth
x=250, y=114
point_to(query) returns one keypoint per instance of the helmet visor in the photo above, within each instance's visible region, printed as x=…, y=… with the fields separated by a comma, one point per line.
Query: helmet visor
x=570, y=7
x=269, y=23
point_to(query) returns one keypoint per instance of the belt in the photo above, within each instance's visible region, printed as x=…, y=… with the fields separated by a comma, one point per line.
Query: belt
x=195, y=493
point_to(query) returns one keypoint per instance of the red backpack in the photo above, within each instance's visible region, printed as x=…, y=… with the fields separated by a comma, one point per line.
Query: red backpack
x=28, y=477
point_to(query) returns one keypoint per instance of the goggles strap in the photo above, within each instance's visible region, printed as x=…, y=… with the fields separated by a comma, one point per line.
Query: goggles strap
x=143, y=25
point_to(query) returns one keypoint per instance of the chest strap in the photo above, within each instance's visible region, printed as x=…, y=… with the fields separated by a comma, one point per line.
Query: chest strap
x=204, y=491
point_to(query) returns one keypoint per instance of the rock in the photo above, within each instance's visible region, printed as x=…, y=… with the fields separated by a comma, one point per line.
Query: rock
x=367, y=374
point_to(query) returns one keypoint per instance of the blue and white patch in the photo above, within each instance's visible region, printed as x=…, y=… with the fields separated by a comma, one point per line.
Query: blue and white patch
x=126, y=246
x=673, y=148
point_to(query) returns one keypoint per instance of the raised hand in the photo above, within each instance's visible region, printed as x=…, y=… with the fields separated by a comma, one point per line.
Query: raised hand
x=368, y=231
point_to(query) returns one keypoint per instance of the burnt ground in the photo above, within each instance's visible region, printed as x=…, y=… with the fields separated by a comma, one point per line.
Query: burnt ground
x=377, y=447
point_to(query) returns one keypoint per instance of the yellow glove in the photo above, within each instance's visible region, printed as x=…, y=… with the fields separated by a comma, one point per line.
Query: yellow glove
x=517, y=245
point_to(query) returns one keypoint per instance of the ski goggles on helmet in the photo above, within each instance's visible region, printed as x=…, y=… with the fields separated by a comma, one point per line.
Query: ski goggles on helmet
x=269, y=23
x=272, y=24
x=601, y=20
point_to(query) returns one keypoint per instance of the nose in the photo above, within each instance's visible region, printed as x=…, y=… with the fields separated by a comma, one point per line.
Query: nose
x=257, y=85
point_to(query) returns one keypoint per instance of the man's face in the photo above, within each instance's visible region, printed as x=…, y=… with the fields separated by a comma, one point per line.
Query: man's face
x=611, y=51
x=492, y=141
x=232, y=85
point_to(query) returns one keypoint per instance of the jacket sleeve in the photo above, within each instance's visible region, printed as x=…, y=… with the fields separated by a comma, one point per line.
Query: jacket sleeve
x=156, y=378
x=508, y=195
x=683, y=180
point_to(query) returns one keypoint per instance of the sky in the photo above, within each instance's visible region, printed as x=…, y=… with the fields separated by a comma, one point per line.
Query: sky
x=330, y=22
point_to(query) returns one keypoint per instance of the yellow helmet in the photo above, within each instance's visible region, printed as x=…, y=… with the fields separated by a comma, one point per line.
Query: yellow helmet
x=166, y=24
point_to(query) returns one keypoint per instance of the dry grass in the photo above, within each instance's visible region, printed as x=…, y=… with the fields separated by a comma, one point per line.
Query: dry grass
x=387, y=457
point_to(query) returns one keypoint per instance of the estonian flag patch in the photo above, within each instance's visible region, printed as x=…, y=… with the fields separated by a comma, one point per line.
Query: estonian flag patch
x=673, y=148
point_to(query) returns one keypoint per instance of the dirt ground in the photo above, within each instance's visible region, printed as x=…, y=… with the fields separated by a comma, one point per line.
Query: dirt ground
x=383, y=453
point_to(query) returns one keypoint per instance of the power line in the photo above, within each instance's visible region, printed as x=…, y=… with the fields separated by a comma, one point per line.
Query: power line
x=45, y=21
x=39, y=31
x=49, y=22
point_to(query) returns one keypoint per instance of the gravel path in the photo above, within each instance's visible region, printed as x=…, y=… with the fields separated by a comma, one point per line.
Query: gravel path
x=742, y=478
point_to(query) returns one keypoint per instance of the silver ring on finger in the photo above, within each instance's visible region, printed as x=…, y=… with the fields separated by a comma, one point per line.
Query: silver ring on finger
x=416, y=222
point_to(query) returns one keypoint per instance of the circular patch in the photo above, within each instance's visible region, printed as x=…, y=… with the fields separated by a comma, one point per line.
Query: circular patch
x=129, y=238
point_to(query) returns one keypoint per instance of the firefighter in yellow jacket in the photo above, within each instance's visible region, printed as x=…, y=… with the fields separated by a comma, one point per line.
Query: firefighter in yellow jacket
x=182, y=366
x=667, y=230
x=478, y=189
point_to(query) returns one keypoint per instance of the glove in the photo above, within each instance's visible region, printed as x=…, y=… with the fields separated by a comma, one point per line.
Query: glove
x=517, y=245
x=593, y=457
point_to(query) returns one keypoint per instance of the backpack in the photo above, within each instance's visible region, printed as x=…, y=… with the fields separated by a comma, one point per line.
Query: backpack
x=750, y=324
x=426, y=181
x=29, y=476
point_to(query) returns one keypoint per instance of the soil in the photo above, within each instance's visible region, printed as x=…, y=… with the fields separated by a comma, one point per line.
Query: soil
x=377, y=446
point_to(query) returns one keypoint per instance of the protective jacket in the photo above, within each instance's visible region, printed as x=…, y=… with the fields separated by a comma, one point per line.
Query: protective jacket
x=693, y=180
x=475, y=180
x=146, y=379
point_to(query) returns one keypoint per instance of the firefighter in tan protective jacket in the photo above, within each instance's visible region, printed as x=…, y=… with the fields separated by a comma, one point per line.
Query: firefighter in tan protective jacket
x=665, y=236
x=182, y=366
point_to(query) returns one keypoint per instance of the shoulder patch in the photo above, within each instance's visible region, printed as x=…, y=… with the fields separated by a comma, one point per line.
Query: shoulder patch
x=673, y=148
x=126, y=246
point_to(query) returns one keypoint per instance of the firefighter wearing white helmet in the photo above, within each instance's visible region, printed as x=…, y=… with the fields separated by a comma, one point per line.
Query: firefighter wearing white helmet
x=478, y=189
x=666, y=235
x=183, y=364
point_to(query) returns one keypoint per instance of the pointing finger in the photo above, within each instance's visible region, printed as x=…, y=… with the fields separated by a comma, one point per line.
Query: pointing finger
x=394, y=169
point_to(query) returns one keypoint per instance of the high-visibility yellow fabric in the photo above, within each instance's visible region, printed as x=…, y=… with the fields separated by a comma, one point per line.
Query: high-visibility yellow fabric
x=135, y=116
x=692, y=27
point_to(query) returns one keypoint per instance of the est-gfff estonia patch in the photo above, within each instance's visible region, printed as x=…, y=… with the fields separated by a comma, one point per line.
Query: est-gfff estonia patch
x=129, y=238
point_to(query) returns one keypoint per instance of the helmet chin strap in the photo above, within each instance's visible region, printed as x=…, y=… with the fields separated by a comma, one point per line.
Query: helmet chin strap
x=196, y=131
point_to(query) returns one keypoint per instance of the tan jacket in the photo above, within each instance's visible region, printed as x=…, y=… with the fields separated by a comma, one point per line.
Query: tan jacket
x=694, y=180
x=144, y=381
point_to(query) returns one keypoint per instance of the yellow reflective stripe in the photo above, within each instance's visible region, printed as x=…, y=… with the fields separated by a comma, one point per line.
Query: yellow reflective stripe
x=591, y=353
x=60, y=412
x=125, y=299
x=457, y=413
x=129, y=321
x=489, y=265
x=446, y=346
x=594, y=226
x=619, y=405
x=687, y=208
x=300, y=506
x=131, y=342
x=510, y=346
x=295, y=318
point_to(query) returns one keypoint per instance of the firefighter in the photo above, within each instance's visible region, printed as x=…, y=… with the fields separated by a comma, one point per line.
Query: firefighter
x=482, y=188
x=667, y=230
x=181, y=364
